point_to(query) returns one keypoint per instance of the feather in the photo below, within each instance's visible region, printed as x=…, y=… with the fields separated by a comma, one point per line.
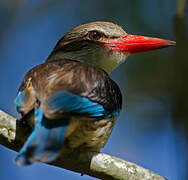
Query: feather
x=45, y=142
x=68, y=102
x=20, y=99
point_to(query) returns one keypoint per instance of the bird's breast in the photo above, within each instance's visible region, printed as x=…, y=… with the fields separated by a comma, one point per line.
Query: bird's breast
x=91, y=135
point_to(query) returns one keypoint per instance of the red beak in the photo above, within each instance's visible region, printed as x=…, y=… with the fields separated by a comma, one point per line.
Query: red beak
x=134, y=44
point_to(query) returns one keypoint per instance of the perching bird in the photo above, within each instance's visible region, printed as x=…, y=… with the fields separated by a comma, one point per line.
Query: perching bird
x=71, y=100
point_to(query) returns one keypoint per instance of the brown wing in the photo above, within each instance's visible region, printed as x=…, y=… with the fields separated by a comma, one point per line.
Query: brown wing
x=75, y=77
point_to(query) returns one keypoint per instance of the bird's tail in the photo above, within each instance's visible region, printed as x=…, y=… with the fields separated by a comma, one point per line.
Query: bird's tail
x=45, y=141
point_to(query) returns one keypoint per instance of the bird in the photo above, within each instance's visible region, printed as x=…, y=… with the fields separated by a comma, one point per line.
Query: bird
x=70, y=100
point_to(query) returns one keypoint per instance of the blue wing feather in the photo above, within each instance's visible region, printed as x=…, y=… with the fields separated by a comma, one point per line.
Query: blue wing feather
x=21, y=98
x=45, y=141
x=69, y=102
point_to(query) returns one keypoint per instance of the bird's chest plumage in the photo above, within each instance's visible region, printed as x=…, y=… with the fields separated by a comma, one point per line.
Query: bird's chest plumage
x=91, y=135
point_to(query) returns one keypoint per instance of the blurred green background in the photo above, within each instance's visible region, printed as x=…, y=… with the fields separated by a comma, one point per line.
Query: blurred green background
x=152, y=130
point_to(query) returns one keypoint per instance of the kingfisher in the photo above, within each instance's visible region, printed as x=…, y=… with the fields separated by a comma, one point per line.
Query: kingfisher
x=70, y=100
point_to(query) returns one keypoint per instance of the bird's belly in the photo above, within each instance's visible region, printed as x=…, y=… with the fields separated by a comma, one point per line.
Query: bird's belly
x=91, y=135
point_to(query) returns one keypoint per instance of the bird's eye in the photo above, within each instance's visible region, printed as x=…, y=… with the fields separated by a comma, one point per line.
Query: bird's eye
x=95, y=35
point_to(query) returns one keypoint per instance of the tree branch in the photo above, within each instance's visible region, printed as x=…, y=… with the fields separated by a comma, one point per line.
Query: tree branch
x=180, y=8
x=14, y=133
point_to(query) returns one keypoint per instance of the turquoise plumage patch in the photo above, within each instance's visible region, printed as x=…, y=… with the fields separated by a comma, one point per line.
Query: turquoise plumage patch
x=22, y=97
x=45, y=141
x=69, y=102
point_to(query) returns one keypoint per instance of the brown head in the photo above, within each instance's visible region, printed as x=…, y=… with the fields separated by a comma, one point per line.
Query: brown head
x=103, y=44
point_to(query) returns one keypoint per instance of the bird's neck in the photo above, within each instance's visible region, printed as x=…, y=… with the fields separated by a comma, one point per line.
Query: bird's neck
x=101, y=60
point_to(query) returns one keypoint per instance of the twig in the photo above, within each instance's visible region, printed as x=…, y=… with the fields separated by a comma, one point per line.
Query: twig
x=180, y=11
x=14, y=133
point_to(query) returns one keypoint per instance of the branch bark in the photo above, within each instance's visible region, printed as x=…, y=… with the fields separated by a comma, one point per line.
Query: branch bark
x=13, y=134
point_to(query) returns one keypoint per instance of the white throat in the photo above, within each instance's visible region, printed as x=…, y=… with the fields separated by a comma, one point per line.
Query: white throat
x=101, y=58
